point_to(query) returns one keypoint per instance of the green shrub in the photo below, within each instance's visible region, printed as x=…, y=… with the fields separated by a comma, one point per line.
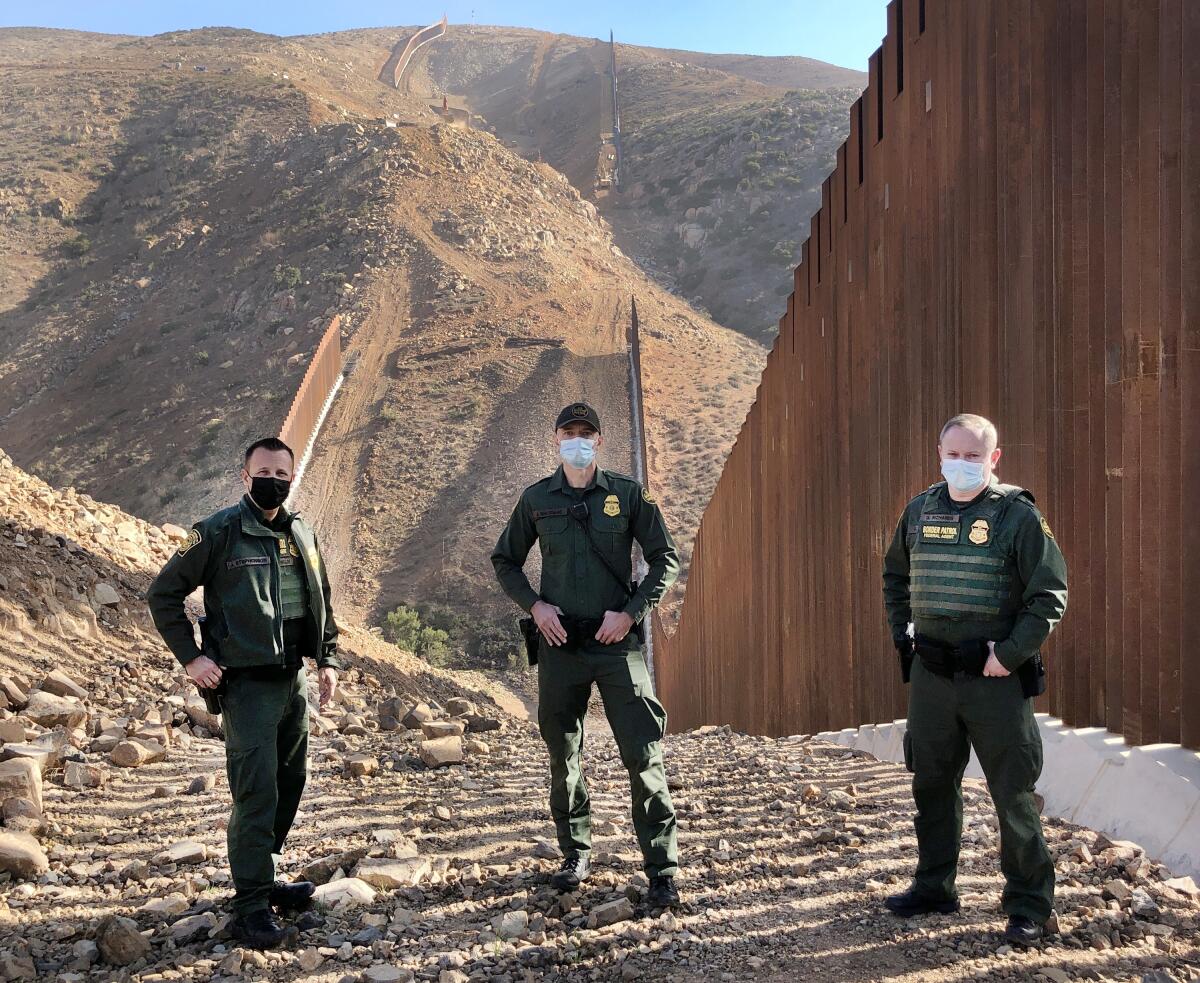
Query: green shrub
x=79, y=246
x=287, y=276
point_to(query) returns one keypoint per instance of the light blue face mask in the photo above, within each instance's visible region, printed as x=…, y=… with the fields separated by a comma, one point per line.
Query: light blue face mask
x=578, y=452
x=962, y=475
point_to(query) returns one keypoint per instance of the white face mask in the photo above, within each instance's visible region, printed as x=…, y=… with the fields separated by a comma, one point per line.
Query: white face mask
x=961, y=475
x=578, y=452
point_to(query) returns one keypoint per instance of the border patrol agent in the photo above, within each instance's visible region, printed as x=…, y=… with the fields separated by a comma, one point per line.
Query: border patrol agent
x=585, y=521
x=266, y=602
x=974, y=565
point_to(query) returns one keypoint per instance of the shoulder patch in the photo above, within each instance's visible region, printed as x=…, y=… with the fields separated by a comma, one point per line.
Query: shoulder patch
x=1046, y=527
x=193, y=539
x=648, y=498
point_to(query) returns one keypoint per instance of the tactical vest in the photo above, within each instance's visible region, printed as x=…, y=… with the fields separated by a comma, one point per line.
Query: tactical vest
x=293, y=589
x=959, y=567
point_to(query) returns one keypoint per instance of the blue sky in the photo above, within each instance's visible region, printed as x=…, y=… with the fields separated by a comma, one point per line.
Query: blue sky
x=843, y=32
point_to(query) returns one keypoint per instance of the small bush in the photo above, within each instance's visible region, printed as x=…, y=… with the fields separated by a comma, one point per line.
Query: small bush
x=79, y=246
x=287, y=276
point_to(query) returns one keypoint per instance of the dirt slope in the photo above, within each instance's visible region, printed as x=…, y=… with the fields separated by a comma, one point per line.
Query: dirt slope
x=229, y=213
x=787, y=846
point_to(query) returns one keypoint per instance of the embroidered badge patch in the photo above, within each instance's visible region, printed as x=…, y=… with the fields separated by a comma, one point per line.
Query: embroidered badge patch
x=612, y=505
x=980, y=532
x=192, y=540
x=647, y=497
x=1046, y=528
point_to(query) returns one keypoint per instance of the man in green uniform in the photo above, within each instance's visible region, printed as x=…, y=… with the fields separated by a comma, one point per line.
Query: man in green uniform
x=585, y=521
x=976, y=570
x=266, y=603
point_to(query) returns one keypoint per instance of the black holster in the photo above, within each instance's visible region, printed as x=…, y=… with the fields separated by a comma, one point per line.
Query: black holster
x=1032, y=674
x=533, y=638
x=208, y=647
x=904, y=646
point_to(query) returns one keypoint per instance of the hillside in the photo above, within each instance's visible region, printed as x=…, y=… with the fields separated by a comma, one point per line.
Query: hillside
x=114, y=804
x=186, y=236
x=723, y=155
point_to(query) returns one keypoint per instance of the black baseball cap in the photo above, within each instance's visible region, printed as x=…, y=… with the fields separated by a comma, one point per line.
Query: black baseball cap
x=578, y=413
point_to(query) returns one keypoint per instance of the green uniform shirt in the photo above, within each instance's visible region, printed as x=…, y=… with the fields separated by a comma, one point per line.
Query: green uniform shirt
x=234, y=556
x=1033, y=564
x=573, y=577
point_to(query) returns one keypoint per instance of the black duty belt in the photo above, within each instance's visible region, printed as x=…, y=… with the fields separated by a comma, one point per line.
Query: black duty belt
x=946, y=658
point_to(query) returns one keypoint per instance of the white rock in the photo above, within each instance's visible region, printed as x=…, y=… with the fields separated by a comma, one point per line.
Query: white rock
x=347, y=891
x=184, y=852
x=60, y=684
x=387, y=874
x=106, y=595
x=21, y=855
x=510, y=925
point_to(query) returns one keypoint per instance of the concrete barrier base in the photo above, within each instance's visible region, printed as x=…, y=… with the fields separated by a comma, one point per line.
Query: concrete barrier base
x=1148, y=794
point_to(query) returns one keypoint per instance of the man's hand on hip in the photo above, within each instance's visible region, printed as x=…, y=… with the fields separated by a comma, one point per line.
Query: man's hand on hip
x=204, y=672
x=545, y=616
x=326, y=684
x=615, y=627
x=993, y=666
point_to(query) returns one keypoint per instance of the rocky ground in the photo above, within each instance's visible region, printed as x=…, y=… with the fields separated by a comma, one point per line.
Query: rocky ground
x=426, y=825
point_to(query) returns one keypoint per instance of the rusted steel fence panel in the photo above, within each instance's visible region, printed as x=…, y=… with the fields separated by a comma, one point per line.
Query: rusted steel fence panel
x=322, y=375
x=1011, y=229
x=392, y=71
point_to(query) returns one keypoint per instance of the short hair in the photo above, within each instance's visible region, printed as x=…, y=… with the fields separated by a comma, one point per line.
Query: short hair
x=974, y=422
x=268, y=444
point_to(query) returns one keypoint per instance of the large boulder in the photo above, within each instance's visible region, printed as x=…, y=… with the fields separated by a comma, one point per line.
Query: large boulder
x=417, y=716
x=434, y=729
x=49, y=710
x=442, y=751
x=21, y=855
x=60, y=684
x=79, y=774
x=21, y=778
x=14, y=692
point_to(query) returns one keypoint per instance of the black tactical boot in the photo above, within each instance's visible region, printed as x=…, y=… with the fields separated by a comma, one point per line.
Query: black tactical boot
x=912, y=902
x=296, y=896
x=662, y=893
x=574, y=870
x=258, y=930
x=1022, y=930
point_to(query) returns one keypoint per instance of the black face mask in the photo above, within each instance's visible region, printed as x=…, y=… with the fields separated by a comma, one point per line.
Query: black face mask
x=269, y=493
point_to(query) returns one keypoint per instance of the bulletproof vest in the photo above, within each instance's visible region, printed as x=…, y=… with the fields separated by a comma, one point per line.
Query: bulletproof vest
x=293, y=588
x=959, y=567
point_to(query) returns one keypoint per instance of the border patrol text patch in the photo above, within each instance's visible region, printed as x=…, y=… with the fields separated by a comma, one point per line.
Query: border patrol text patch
x=934, y=532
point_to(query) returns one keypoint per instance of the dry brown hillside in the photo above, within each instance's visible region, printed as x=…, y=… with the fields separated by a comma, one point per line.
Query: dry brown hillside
x=723, y=155
x=188, y=234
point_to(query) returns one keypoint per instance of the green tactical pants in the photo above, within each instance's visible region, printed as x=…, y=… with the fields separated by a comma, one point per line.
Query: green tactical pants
x=638, y=723
x=946, y=718
x=266, y=759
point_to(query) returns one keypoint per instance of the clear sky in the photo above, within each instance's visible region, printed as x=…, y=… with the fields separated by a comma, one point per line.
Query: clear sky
x=843, y=32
